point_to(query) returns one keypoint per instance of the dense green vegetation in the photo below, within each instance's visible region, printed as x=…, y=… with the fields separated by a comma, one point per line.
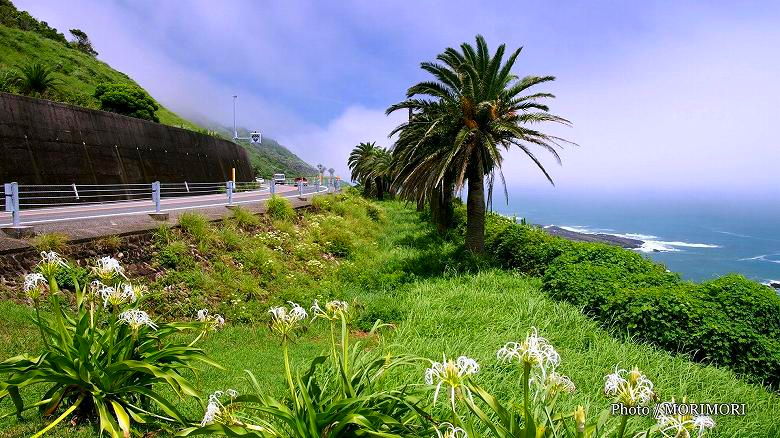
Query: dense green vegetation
x=396, y=268
x=729, y=321
x=127, y=100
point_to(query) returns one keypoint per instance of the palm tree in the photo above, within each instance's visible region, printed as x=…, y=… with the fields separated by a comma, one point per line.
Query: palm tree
x=36, y=78
x=359, y=163
x=381, y=169
x=490, y=110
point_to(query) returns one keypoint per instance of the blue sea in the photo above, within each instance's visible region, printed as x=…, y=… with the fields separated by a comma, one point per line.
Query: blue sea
x=699, y=238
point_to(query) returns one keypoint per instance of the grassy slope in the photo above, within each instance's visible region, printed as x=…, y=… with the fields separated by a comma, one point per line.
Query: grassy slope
x=410, y=278
x=79, y=72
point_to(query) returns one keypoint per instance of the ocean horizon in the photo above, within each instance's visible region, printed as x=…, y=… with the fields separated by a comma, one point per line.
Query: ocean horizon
x=700, y=239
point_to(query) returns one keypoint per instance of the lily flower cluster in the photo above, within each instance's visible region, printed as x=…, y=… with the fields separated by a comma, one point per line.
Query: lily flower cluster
x=34, y=286
x=108, y=270
x=448, y=430
x=214, y=322
x=631, y=388
x=453, y=375
x=534, y=351
x=50, y=264
x=136, y=319
x=681, y=426
x=333, y=310
x=285, y=321
x=216, y=411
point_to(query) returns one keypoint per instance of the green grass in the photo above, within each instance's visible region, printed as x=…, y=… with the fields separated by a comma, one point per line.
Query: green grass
x=439, y=303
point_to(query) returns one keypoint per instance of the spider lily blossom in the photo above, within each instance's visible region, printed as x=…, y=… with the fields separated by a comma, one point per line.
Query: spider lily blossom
x=50, y=264
x=108, y=269
x=216, y=411
x=681, y=426
x=333, y=310
x=632, y=388
x=136, y=319
x=34, y=284
x=117, y=296
x=535, y=351
x=448, y=430
x=215, y=321
x=284, y=320
x=451, y=373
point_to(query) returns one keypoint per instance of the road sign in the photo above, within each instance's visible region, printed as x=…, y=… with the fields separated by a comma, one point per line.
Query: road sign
x=255, y=137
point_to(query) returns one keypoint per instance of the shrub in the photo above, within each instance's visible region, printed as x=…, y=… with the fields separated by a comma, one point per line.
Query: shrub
x=526, y=248
x=321, y=203
x=107, y=358
x=196, y=225
x=375, y=213
x=36, y=79
x=109, y=244
x=174, y=255
x=56, y=242
x=128, y=100
x=730, y=321
x=245, y=218
x=229, y=238
x=279, y=208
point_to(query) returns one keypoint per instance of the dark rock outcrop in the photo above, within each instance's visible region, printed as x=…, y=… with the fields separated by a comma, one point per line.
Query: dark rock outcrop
x=624, y=242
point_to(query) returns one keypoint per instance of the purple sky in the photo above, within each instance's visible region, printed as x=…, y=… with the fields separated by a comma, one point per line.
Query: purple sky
x=665, y=96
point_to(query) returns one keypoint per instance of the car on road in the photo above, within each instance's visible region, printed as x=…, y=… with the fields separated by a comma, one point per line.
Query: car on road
x=303, y=180
x=279, y=178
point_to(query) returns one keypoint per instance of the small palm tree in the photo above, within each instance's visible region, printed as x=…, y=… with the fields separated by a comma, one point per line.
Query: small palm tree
x=381, y=169
x=359, y=163
x=490, y=110
x=35, y=79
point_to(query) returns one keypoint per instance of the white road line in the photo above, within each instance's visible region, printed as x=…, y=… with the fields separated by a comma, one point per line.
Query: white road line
x=132, y=213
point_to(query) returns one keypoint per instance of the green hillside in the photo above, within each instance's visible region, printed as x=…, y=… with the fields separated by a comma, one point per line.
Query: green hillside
x=24, y=40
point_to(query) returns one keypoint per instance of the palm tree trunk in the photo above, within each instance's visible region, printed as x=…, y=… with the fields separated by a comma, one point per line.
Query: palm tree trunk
x=367, y=188
x=475, y=208
x=380, y=189
x=437, y=211
x=447, y=210
x=420, y=204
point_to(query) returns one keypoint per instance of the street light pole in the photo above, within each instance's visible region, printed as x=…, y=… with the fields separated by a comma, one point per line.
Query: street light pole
x=235, y=131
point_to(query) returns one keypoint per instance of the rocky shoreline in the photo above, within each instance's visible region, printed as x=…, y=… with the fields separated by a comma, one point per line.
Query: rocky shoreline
x=575, y=236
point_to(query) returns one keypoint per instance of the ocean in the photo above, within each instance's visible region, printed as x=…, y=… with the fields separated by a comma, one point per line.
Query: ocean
x=700, y=239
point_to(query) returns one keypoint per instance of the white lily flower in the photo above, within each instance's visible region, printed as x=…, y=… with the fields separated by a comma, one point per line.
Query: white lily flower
x=448, y=430
x=34, y=284
x=50, y=263
x=216, y=321
x=108, y=269
x=212, y=411
x=676, y=426
x=333, y=309
x=136, y=319
x=117, y=296
x=702, y=423
x=452, y=374
x=284, y=321
x=632, y=388
x=534, y=350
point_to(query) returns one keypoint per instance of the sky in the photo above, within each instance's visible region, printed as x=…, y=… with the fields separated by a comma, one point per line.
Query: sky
x=665, y=97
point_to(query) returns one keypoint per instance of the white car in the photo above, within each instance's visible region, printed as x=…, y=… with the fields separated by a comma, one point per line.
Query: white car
x=279, y=178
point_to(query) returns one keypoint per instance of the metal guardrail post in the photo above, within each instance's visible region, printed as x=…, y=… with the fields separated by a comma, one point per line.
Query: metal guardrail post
x=272, y=186
x=11, y=191
x=300, y=188
x=156, y=196
x=75, y=191
x=230, y=187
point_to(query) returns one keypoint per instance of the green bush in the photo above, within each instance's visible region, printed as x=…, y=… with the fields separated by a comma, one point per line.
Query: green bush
x=195, y=224
x=128, y=100
x=245, y=218
x=528, y=249
x=174, y=254
x=729, y=321
x=279, y=208
x=56, y=242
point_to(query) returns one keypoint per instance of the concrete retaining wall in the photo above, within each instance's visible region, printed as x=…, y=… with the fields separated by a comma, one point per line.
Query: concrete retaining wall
x=43, y=142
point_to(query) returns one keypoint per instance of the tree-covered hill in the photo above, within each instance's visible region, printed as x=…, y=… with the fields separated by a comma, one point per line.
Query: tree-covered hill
x=24, y=40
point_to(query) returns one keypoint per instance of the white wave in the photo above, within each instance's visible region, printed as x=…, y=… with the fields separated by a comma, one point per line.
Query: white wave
x=734, y=234
x=762, y=258
x=649, y=242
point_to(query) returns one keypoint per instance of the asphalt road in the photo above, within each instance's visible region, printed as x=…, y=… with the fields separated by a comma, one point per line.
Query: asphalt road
x=126, y=208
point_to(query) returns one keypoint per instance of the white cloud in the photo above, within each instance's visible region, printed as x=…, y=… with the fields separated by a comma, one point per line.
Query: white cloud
x=332, y=144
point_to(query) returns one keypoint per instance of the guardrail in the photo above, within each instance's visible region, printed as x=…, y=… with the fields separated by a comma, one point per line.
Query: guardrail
x=19, y=197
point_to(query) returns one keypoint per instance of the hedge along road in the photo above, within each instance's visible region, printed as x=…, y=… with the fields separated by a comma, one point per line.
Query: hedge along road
x=127, y=208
